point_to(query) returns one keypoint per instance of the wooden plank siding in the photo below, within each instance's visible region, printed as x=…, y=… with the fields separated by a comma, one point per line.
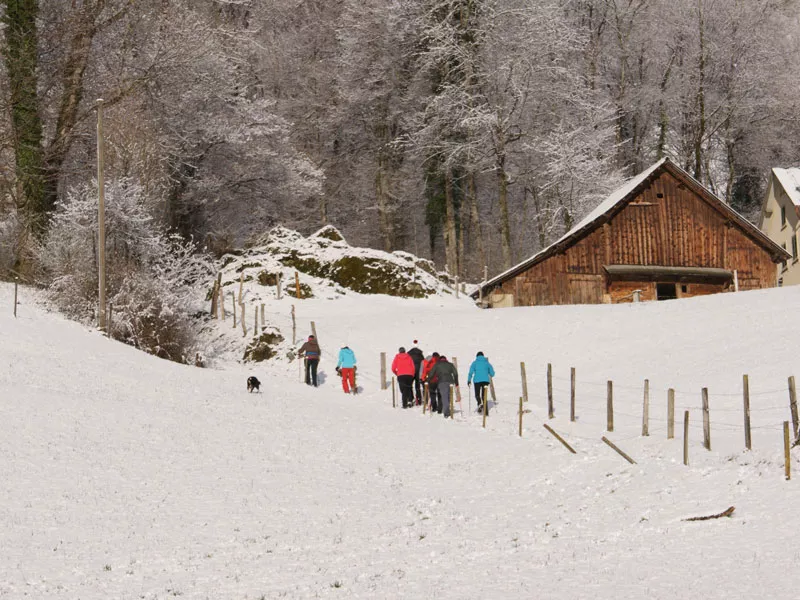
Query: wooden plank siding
x=666, y=223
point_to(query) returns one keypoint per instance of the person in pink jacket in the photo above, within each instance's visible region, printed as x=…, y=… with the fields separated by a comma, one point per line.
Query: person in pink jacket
x=403, y=367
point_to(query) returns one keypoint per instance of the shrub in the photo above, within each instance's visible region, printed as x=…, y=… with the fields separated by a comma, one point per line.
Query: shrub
x=149, y=274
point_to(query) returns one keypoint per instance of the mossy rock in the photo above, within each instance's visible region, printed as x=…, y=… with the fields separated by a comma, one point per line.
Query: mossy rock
x=305, y=290
x=329, y=232
x=375, y=276
x=267, y=278
x=228, y=259
x=252, y=265
x=263, y=347
x=306, y=264
x=426, y=265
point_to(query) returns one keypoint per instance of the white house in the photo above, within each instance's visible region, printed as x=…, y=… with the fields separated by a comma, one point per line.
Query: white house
x=780, y=219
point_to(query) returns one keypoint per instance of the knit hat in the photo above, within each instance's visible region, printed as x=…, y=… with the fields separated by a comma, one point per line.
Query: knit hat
x=436, y=354
x=479, y=354
x=402, y=350
x=311, y=337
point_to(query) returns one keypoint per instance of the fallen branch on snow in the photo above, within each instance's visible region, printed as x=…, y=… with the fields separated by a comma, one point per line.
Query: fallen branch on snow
x=726, y=513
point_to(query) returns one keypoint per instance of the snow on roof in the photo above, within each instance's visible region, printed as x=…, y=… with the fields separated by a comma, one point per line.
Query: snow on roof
x=612, y=200
x=790, y=181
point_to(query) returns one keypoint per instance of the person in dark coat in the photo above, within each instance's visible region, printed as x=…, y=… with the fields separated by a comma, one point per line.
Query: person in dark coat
x=445, y=374
x=417, y=356
x=403, y=367
x=312, y=353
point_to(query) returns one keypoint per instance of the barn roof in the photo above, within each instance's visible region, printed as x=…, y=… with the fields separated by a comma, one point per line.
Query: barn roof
x=790, y=181
x=617, y=201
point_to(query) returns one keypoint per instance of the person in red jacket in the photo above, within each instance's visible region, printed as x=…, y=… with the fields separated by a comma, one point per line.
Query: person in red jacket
x=433, y=387
x=403, y=367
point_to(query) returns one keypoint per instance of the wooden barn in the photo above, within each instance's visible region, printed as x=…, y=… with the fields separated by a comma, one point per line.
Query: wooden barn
x=660, y=236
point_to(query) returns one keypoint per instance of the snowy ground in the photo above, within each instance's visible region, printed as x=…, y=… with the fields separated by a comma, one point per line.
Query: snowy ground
x=129, y=477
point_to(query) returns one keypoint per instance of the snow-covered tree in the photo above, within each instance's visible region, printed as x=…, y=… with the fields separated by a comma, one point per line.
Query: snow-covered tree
x=150, y=276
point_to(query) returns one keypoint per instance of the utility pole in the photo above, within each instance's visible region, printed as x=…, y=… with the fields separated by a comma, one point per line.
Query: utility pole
x=101, y=221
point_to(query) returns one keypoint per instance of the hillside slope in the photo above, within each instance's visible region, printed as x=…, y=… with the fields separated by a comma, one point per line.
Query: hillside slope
x=130, y=477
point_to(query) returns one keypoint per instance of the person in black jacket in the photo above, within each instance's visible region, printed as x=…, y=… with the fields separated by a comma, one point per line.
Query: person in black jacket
x=417, y=356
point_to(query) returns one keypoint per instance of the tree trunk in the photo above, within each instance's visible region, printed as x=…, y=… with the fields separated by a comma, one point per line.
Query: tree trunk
x=663, y=117
x=701, y=99
x=72, y=94
x=450, y=241
x=20, y=53
x=382, y=195
x=476, y=231
x=502, y=198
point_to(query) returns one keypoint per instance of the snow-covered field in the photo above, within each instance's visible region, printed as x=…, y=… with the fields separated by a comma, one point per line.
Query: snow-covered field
x=124, y=476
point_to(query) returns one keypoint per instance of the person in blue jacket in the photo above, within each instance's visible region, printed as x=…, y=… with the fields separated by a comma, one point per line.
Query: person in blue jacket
x=346, y=367
x=480, y=372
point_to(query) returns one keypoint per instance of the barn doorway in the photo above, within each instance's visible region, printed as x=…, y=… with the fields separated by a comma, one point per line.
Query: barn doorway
x=666, y=291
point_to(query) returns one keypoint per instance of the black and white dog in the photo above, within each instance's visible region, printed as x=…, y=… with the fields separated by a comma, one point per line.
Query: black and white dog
x=253, y=384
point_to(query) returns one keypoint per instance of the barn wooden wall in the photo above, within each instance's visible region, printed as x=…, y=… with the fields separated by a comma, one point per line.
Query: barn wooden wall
x=667, y=224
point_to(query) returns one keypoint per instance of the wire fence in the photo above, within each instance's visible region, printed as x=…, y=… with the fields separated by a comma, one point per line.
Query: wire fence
x=772, y=411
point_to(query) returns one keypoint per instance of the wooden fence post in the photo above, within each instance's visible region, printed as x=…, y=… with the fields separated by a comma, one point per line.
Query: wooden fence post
x=314, y=331
x=383, y=370
x=646, y=409
x=263, y=320
x=550, y=408
x=278, y=284
x=793, y=405
x=559, y=438
x=706, y=421
x=241, y=286
x=110, y=319
x=294, y=328
x=670, y=414
x=394, y=395
x=787, y=454
x=491, y=389
x=610, y=406
x=746, y=398
x=617, y=450
x=686, y=437
x=521, y=400
x=241, y=320
x=524, y=382
x=572, y=394
x=457, y=389
x=233, y=302
x=221, y=301
x=214, y=300
x=255, y=321
x=452, y=401
x=485, y=408
x=297, y=293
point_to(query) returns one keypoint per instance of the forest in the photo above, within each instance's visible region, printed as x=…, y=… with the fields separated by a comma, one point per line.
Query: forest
x=472, y=132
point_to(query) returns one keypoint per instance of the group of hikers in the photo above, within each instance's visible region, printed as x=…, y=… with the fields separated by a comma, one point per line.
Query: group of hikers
x=413, y=370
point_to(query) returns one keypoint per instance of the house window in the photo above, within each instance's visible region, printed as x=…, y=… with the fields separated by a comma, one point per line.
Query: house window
x=666, y=291
x=794, y=247
x=783, y=264
x=783, y=216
